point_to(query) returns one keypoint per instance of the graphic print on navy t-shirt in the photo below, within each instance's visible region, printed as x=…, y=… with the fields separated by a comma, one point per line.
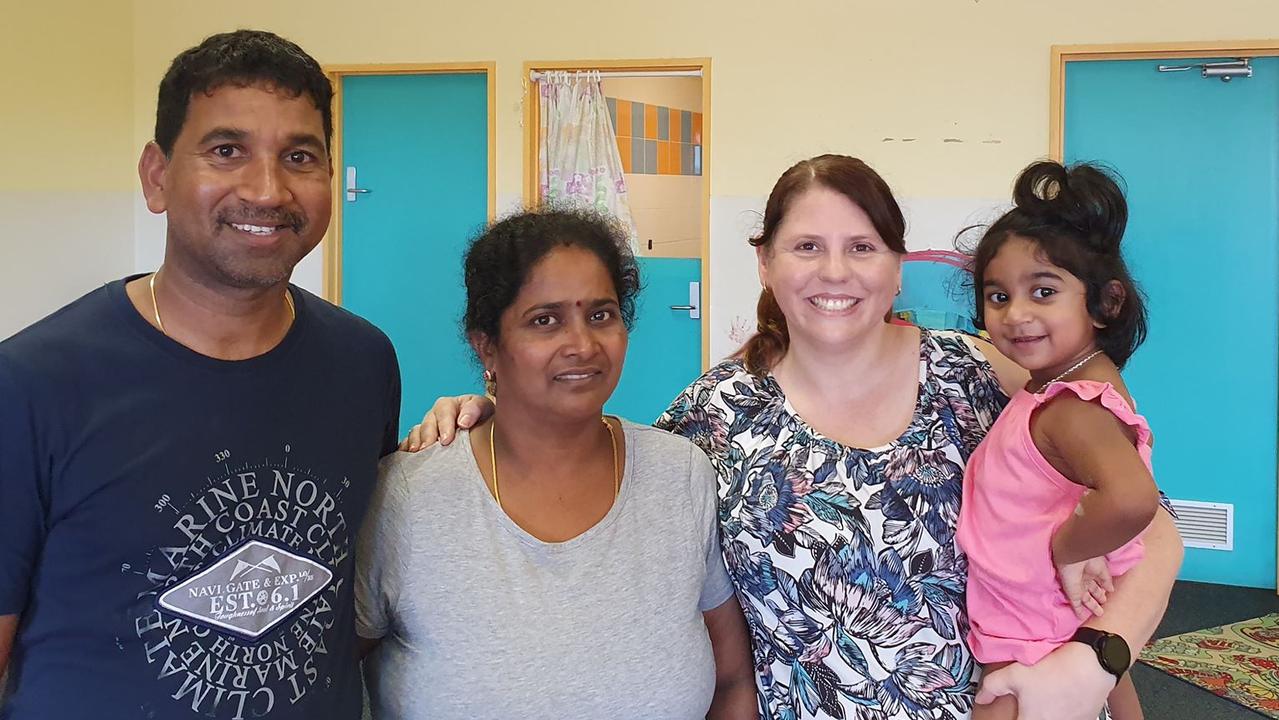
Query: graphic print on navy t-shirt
x=237, y=615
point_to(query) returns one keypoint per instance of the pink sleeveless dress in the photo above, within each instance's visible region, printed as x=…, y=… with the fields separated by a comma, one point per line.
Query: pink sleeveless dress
x=1014, y=501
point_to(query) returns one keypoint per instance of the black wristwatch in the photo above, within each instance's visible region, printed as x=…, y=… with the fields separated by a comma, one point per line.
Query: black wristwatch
x=1112, y=650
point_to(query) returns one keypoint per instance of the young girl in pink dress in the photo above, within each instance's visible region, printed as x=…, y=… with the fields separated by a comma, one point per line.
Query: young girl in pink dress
x=1059, y=493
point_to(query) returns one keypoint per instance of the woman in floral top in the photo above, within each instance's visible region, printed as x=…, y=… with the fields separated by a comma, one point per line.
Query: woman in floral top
x=844, y=557
x=839, y=441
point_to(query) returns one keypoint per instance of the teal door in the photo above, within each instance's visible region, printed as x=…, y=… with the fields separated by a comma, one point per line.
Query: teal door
x=665, y=350
x=419, y=145
x=1201, y=162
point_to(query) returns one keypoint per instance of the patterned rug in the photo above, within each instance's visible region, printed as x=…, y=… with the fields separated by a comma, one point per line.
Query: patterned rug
x=1238, y=662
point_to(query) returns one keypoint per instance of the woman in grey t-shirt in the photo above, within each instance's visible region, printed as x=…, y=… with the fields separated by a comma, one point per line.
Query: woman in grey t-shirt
x=553, y=562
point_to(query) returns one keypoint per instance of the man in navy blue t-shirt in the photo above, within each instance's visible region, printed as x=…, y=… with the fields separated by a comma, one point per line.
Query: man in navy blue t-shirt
x=186, y=456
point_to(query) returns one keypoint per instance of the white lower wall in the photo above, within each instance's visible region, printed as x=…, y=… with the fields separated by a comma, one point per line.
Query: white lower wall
x=57, y=246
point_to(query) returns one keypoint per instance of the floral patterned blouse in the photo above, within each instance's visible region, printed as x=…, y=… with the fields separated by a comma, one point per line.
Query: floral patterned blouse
x=845, y=558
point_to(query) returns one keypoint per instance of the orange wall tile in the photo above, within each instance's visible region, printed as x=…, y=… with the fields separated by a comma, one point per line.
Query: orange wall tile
x=624, y=149
x=623, y=118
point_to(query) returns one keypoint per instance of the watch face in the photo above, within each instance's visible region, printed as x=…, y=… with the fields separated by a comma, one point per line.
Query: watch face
x=1114, y=653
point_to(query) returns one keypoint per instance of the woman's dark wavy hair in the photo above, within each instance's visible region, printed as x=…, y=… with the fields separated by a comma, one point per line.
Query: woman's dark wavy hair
x=499, y=260
x=1076, y=215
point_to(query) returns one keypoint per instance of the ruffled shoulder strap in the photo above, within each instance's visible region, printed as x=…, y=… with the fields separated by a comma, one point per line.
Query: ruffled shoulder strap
x=1105, y=395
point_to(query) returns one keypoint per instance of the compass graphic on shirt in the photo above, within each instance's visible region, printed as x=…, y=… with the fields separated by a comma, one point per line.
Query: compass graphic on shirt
x=237, y=609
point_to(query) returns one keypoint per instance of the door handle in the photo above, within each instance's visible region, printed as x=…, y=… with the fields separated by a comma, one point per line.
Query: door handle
x=351, y=190
x=694, y=306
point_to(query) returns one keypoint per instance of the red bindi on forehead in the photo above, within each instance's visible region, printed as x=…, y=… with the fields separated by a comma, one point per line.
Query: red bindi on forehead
x=578, y=303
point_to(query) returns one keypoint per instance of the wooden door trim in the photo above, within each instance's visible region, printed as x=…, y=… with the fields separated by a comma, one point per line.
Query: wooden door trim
x=332, y=243
x=1062, y=54
x=532, y=121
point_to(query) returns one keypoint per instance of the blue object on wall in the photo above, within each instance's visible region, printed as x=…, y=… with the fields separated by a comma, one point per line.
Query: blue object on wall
x=665, y=352
x=420, y=143
x=936, y=291
x=1201, y=161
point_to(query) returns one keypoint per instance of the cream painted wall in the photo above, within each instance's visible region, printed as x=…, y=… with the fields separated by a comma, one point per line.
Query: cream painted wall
x=965, y=80
x=67, y=87
x=788, y=81
x=67, y=140
x=857, y=77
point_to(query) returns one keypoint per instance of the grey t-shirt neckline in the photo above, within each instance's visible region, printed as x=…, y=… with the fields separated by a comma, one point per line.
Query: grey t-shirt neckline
x=584, y=538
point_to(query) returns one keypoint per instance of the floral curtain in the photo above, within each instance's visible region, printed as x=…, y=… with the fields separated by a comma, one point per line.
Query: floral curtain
x=578, y=161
